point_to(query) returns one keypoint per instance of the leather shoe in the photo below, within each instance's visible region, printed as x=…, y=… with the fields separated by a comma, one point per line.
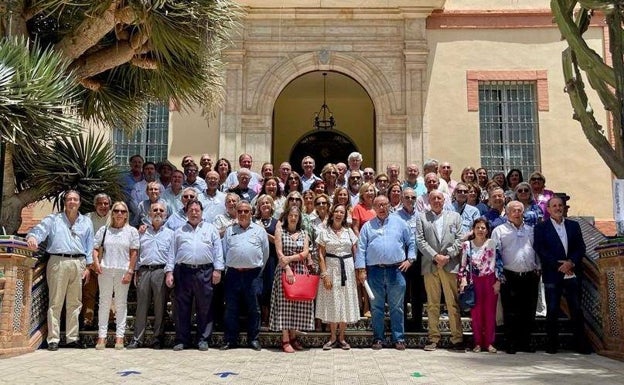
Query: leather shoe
x=458, y=347
x=178, y=347
x=377, y=345
x=399, y=345
x=255, y=345
x=202, y=346
x=53, y=346
x=227, y=346
x=134, y=344
x=157, y=345
x=76, y=345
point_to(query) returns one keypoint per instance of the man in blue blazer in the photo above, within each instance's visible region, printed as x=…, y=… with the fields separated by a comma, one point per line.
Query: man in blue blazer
x=559, y=244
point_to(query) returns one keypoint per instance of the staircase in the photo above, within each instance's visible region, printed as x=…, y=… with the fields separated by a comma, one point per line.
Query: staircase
x=359, y=335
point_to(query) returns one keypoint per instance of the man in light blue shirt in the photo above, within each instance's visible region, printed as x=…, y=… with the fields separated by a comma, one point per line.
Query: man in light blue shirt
x=70, y=245
x=156, y=252
x=386, y=249
x=246, y=250
x=198, y=266
x=212, y=199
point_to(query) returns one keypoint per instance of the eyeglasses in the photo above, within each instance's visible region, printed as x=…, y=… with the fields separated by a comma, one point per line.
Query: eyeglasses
x=522, y=190
x=243, y=211
x=158, y=210
x=293, y=178
x=188, y=196
x=189, y=171
x=411, y=198
x=291, y=199
x=382, y=181
x=355, y=177
x=119, y=211
x=368, y=173
x=462, y=191
x=323, y=203
x=537, y=180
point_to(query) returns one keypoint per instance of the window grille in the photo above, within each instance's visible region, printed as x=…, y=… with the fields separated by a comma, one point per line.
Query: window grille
x=150, y=141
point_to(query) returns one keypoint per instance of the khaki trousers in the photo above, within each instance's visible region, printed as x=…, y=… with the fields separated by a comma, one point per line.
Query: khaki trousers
x=434, y=284
x=64, y=276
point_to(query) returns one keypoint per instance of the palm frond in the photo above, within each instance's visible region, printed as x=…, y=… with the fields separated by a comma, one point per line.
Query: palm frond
x=38, y=95
x=83, y=163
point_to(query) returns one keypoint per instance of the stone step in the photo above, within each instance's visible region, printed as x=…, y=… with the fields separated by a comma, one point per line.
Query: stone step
x=357, y=339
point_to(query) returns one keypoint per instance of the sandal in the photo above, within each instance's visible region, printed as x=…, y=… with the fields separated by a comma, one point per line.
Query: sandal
x=119, y=343
x=287, y=348
x=329, y=345
x=477, y=349
x=344, y=345
x=492, y=349
x=296, y=344
x=100, y=344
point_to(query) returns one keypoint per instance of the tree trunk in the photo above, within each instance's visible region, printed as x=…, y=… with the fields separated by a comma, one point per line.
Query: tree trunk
x=12, y=202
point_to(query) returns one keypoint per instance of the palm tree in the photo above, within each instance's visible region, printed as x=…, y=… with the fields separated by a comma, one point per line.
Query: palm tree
x=98, y=62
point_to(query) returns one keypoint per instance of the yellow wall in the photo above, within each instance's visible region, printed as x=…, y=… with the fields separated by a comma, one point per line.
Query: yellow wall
x=191, y=133
x=569, y=162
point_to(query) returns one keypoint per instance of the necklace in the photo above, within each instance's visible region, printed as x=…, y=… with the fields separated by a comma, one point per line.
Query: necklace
x=265, y=222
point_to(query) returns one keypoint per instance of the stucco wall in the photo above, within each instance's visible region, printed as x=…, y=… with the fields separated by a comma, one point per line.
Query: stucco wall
x=568, y=161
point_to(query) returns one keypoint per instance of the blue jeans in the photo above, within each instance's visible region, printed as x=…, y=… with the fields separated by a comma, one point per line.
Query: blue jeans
x=387, y=281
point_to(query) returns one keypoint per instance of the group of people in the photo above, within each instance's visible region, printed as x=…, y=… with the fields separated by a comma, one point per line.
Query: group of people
x=226, y=241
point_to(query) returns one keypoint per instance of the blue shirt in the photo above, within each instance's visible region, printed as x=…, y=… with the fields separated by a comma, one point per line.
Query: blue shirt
x=198, y=246
x=245, y=248
x=199, y=184
x=213, y=205
x=419, y=188
x=468, y=215
x=385, y=242
x=495, y=218
x=64, y=238
x=156, y=247
x=176, y=220
x=306, y=182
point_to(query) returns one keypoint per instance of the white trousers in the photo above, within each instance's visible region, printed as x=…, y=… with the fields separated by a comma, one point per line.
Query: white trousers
x=110, y=284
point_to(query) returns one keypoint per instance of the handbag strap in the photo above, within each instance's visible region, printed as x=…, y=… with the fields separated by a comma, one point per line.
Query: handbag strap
x=469, y=262
x=102, y=244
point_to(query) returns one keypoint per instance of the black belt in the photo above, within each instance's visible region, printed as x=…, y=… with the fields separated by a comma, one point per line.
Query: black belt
x=515, y=273
x=343, y=273
x=384, y=266
x=152, y=267
x=70, y=255
x=196, y=267
x=244, y=269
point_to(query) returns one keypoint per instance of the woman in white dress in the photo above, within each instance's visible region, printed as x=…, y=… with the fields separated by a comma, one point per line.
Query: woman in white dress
x=337, y=300
x=119, y=244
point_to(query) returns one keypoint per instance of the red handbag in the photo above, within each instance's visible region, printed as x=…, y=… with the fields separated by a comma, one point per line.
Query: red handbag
x=303, y=289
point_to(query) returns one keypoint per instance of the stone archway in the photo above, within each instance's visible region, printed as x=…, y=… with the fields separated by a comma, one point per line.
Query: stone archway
x=328, y=146
x=386, y=54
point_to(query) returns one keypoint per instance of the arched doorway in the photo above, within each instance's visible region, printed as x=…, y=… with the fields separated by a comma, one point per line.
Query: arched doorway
x=328, y=146
x=294, y=110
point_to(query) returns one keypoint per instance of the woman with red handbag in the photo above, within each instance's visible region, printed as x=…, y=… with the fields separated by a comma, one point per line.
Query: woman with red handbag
x=292, y=245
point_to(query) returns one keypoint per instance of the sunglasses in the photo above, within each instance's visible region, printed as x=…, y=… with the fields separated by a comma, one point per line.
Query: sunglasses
x=189, y=171
x=119, y=211
x=382, y=180
x=411, y=198
x=158, y=210
x=355, y=177
x=323, y=203
x=292, y=199
x=243, y=211
x=462, y=191
x=523, y=190
x=537, y=180
x=368, y=173
x=188, y=196
x=331, y=172
x=293, y=178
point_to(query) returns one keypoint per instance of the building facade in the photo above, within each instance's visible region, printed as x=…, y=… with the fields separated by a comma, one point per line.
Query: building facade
x=469, y=82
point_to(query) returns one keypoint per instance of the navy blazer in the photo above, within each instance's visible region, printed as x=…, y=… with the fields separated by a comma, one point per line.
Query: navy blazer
x=549, y=248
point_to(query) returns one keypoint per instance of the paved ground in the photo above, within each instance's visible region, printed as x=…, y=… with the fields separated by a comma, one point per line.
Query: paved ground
x=314, y=367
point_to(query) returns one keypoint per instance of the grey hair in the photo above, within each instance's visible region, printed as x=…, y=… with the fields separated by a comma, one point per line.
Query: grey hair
x=100, y=196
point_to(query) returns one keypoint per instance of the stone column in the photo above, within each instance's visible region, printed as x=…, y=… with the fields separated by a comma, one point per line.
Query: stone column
x=16, y=264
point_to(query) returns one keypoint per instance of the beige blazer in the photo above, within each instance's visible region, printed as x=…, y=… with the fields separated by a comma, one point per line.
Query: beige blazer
x=430, y=244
